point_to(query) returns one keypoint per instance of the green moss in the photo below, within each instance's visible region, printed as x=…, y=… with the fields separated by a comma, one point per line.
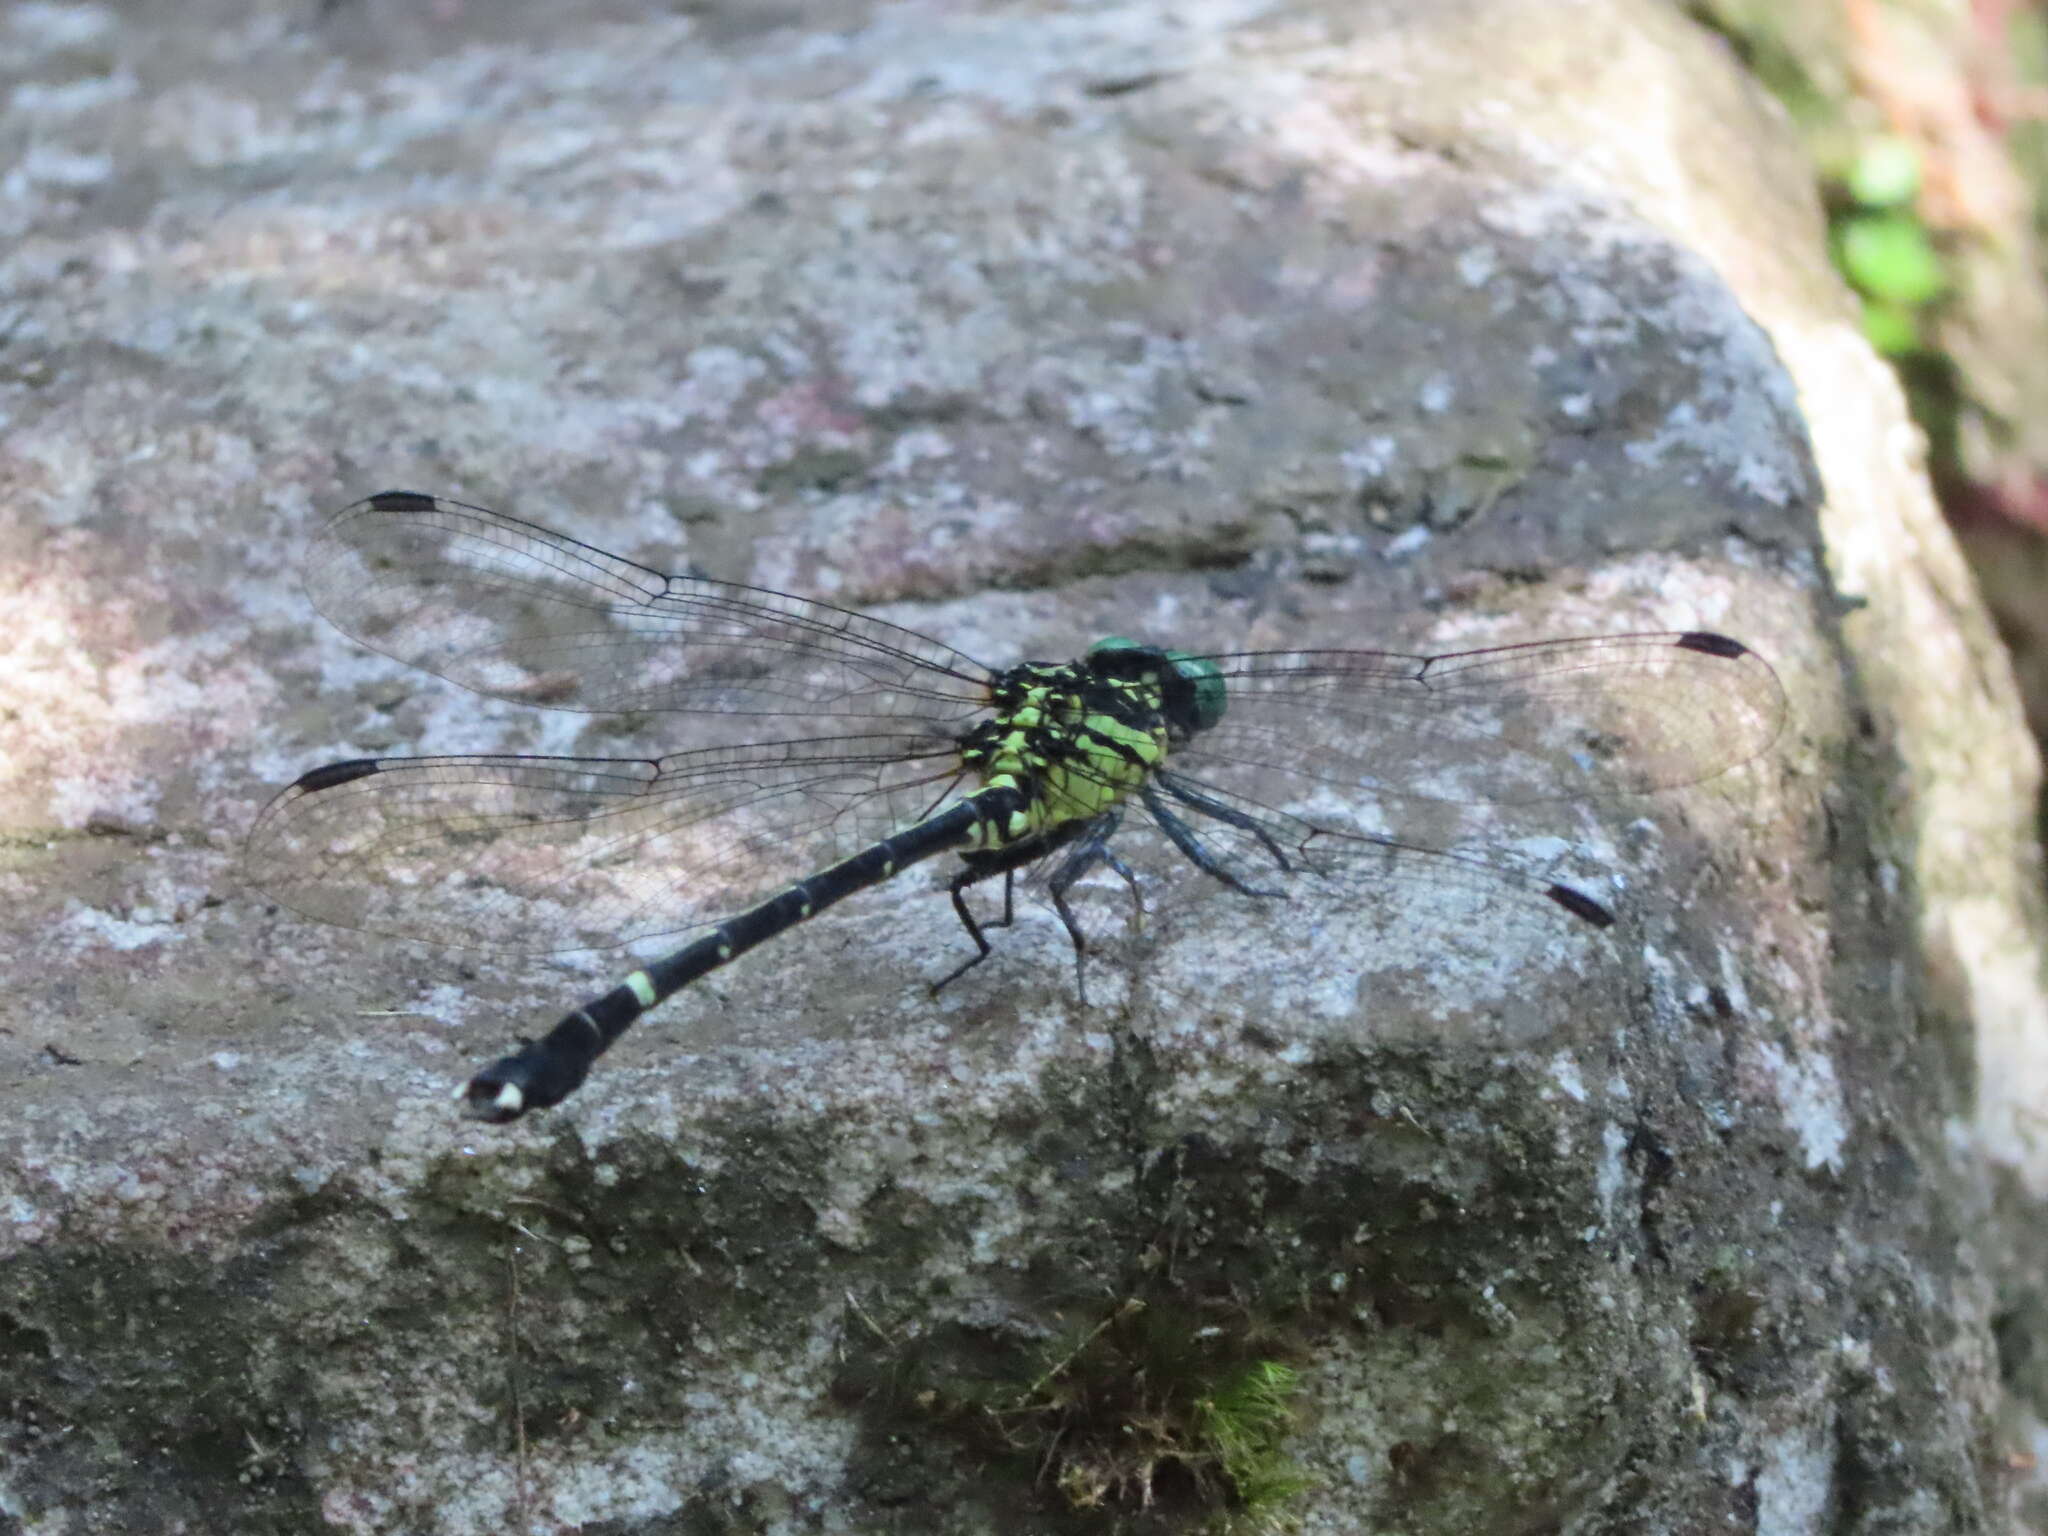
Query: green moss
x=1148, y=1415
x=1246, y=1423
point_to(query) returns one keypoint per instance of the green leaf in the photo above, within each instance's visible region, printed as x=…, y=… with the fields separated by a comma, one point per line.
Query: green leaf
x=1889, y=257
x=1885, y=174
x=1890, y=328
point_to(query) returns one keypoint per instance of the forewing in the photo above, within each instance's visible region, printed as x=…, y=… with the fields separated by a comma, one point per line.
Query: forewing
x=517, y=612
x=1557, y=719
x=541, y=854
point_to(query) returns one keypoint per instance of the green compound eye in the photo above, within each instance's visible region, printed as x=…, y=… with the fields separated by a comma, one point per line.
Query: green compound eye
x=1211, y=692
x=1208, y=695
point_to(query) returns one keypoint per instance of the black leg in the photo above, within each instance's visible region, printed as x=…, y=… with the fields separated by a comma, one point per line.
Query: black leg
x=1093, y=850
x=1092, y=837
x=1230, y=815
x=956, y=888
x=1182, y=836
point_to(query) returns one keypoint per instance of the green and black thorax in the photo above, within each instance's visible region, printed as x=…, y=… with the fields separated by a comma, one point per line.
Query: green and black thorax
x=1075, y=738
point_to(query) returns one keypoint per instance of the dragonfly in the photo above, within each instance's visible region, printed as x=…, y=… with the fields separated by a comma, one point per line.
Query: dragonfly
x=830, y=751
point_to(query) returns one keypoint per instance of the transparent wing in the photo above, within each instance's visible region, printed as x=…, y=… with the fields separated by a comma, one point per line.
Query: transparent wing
x=514, y=611
x=540, y=854
x=1324, y=862
x=1556, y=719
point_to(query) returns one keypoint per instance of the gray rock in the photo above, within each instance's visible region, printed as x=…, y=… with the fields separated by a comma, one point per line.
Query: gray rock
x=1420, y=323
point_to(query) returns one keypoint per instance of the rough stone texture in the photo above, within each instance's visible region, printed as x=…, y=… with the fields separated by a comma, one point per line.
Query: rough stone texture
x=1422, y=324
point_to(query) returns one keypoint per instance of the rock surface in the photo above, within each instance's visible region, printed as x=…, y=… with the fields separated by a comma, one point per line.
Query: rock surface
x=1415, y=323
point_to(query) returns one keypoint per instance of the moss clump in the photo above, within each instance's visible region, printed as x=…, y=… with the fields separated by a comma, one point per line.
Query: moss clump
x=1246, y=1423
x=1152, y=1417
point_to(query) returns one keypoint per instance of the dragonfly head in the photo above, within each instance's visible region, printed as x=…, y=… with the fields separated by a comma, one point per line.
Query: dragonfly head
x=1192, y=688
